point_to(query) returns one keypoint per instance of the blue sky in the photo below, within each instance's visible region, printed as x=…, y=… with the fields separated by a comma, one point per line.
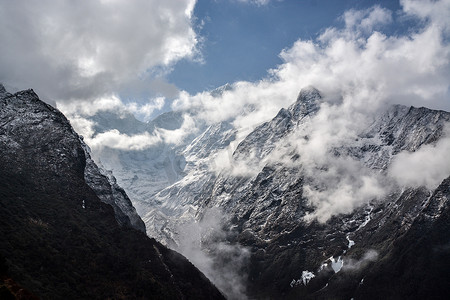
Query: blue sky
x=242, y=40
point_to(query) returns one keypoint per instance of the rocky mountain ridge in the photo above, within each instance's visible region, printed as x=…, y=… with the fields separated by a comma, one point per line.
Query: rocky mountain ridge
x=69, y=231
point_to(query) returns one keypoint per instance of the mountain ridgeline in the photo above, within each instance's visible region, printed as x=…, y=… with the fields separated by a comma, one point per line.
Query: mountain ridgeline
x=389, y=240
x=68, y=230
x=278, y=218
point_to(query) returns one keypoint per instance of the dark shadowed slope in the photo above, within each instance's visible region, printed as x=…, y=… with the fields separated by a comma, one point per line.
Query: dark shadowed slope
x=59, y=240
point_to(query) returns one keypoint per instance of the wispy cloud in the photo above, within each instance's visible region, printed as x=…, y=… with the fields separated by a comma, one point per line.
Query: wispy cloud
x=428, y=166
x=177, y=136
x=255, y=2
x=114, y=139
x=352, y=264
x=224, y=263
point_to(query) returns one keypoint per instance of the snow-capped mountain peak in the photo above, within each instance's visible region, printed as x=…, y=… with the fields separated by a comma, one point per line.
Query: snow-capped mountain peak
x=307, y=102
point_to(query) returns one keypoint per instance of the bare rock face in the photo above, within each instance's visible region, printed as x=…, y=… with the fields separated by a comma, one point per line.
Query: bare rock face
x=68, y=230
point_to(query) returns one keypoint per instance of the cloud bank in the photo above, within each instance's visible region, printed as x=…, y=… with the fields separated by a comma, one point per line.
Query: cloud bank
x=83, y=50
x=111, y=102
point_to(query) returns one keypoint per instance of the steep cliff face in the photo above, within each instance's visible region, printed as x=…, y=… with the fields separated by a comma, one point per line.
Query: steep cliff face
x=106, y=188
x=69, y=231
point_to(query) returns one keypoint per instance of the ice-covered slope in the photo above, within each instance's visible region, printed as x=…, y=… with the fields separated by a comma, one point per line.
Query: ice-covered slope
x=177, y=204
x=141, y=172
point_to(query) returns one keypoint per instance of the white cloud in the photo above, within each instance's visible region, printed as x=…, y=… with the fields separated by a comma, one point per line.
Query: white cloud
x=146, y=110
x=224, y=263
x=116, y=140
x=69, y=50
x=366, y=20
x=113, y=139
x=79, y=114
x=352, y=265
x=177, y=136
x=428, y=166
x=90, y=108
x=82, y=126
x=429, y=10
x=142, y=111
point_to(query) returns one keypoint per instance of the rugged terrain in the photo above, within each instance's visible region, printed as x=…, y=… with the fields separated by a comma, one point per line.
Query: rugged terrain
x=68, y=230
x=391, y=242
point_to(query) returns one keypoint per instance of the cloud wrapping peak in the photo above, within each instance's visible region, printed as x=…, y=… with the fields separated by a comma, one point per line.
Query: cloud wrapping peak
x=76, y=109
x=358, y=66
x=116, y=140
x=359, y=70
x=85, y=49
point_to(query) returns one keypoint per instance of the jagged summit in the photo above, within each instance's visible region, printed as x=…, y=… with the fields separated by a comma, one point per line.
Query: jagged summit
x=309, y=93
x=262, y=140
x=307, y=102
x=217, y=92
